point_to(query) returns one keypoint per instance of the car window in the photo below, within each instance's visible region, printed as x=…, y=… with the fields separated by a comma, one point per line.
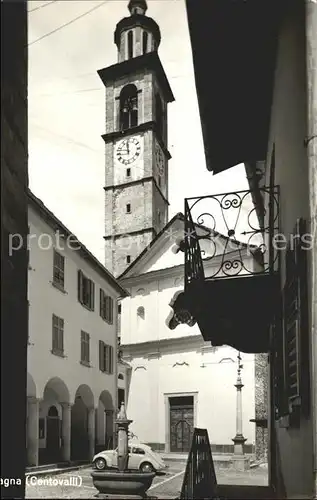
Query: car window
x=138, y=451
x=129, y=450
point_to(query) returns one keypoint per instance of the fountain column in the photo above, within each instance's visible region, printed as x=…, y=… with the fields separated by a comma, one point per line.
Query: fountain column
x=122, y=483
x=123, y=425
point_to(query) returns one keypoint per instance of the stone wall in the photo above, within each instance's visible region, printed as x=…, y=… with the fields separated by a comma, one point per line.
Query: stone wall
x=14, y=305
x=261, y=405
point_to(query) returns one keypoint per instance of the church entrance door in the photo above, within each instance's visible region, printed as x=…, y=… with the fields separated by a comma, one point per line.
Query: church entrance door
x=181, y=423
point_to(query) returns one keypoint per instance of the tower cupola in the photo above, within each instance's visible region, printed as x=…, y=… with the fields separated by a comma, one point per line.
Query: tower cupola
x=136, y=34
x=137, y=7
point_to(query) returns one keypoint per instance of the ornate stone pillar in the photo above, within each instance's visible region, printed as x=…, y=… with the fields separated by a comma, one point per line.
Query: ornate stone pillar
x=240, y=461
x=66, y=431
x=91, y=432
x=33, y=431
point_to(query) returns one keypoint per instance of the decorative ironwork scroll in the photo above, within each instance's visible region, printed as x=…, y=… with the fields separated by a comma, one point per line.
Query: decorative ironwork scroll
x=200, y=478
x=233, y=231
x=194, y=269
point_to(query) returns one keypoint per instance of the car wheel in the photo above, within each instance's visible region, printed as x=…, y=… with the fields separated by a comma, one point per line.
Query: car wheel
x=146, y=467
x=100, y=464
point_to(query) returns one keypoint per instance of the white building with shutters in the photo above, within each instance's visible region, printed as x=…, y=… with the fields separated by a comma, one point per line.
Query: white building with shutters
x=72, y=346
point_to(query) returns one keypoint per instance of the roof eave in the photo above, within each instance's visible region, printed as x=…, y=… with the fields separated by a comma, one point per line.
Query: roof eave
x=55, y=223
x=235, y=95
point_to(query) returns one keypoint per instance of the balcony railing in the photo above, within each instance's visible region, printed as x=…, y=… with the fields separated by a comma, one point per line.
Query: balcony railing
x=231, y=234
x=200, y=478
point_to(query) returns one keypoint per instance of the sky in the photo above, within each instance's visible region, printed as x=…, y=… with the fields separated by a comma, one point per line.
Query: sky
x=67, y=111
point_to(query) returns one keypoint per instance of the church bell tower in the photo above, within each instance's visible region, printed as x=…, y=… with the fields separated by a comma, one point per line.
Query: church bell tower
x=136, y=171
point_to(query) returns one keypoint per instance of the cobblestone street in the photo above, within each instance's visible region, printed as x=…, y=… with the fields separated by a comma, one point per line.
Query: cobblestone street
x=167, y=486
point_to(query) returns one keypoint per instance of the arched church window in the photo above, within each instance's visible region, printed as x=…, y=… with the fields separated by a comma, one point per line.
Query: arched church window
x=120, y=376
x=128, y=107
x=141, y=312
x=130, y=44
x=159, y=114
x=52, y=412
x=145, y=41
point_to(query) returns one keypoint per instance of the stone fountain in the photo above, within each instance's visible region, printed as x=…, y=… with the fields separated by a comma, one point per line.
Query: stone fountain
x=122, y=483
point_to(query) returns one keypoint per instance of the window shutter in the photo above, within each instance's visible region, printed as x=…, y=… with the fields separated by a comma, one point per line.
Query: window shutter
x=53, y=333
x=61, y=344
x=105, y=307
x=92, y=295
x=79, y=286
x=81, y=346
x=110, y=359
x=302, y=267
x=291, y=327
x=296, y=323
x=101, y=356
x=107, y=359
x=88, y=347
x=111, y=310
x=100, y=302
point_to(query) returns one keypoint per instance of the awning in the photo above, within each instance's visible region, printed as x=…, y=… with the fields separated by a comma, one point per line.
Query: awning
x=234, y=45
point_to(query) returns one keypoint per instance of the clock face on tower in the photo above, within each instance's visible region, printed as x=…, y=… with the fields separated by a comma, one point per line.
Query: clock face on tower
x=128, y=150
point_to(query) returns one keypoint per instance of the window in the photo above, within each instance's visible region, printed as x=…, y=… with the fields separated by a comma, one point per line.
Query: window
x=105, y=357
x=130, y=44
x=141, y=312
x=106, y=307
x=145, y=42
x=86, y=291
x=121, y=397
x=57, y=335
x=84, y=348
x=128, y=259
x=138, y=451
x=120, y=376
x=58, y=269
x=128, y=107
x=128, y=208
x=128, y=172
x=159, y=114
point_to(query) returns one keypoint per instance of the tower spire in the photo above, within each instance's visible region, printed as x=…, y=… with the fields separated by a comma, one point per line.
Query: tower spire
x=137, y=7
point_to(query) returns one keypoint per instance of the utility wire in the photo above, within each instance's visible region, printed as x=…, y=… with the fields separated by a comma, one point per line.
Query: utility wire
x=66, y=138
x=73, y=142
x=79, y=91
x=66, y=92
x=68, y=23
x=42, y=6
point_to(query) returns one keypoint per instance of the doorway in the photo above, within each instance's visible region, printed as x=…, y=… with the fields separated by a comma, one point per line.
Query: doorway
x=181, y=423
x=52, y=436
x=79, y=431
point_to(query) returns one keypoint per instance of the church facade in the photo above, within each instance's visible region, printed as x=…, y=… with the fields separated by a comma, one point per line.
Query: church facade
x=177, y=381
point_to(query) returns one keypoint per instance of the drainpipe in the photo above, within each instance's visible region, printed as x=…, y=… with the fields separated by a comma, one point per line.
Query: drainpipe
x=311, y=142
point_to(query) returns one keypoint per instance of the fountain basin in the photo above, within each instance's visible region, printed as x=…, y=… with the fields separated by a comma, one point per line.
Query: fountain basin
x=127, y=484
